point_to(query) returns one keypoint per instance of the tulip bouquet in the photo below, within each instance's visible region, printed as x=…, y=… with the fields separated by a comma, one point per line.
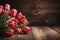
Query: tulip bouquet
x=12, y=22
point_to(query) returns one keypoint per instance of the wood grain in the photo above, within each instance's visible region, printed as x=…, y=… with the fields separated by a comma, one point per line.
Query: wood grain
x=46, y=33
x=38, y=33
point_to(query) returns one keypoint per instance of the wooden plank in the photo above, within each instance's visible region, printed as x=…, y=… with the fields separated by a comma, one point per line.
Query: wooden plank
x=38, y=33
x=56, y=28
x=46, y=33
x=50, y=33
x=42, y=33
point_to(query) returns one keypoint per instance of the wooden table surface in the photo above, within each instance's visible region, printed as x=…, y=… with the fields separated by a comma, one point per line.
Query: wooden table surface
x=38, y=33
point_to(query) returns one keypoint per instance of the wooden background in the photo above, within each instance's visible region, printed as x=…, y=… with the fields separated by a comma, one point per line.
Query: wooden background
x=38, y=12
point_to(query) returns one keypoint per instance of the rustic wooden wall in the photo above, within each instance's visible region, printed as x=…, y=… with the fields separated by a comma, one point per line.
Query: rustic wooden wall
x=38, y=12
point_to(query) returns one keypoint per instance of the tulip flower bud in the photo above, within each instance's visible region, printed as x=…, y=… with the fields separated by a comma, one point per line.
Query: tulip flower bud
x=13, y=12
x=7, y=7
x=12, y=24
x=9, y=32
x=1, y=9
x=19, y=15
x=24, y=21
x=26, y=29
x=18, y=30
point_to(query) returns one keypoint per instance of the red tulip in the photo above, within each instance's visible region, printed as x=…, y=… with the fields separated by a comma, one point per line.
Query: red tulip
x=15, y=20
x=7, y=7
x=24, y=21
x=9, y=32
x=23, y=17
x=26, y=29
x=12, y=24
x=19, y=15
x=1, y=9
x=18, y=30
x=13, y=12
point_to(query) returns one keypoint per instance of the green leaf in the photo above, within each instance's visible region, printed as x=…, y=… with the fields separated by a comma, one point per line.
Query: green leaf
x=3, y=22
x=22, y=25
